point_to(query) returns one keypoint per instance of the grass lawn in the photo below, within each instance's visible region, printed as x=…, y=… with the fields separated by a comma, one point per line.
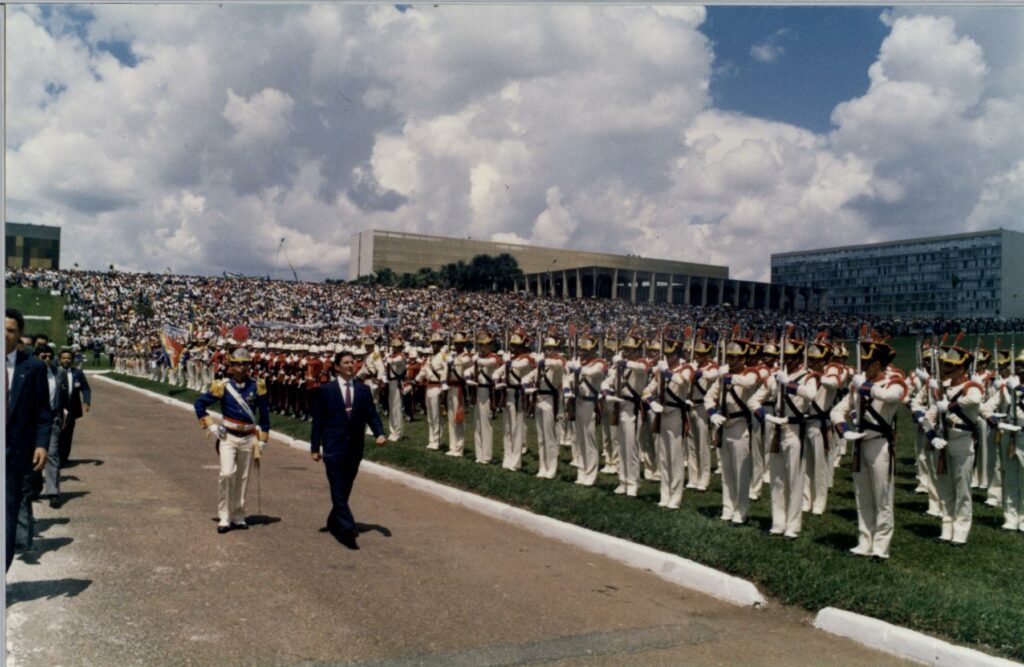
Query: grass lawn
x=970, y=595
x=39, y=302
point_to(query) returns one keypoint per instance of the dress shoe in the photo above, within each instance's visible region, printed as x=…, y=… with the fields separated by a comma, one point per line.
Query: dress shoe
x=55, y=501
x=348, y=538
x=240, y=526
x=223, y=529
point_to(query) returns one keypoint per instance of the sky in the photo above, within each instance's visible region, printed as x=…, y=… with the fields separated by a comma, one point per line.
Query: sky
x=242, y=138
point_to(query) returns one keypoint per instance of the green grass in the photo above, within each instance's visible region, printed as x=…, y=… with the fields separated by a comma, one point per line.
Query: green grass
x=970, y=595
x=40, y=302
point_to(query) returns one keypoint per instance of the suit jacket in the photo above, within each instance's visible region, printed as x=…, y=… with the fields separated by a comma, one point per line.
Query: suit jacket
x=79, y=394
x=29, y=418
x=336, y=431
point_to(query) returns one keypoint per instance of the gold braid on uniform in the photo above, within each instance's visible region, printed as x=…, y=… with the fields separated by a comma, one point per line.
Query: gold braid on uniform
x=261, y=387
x=217, y=388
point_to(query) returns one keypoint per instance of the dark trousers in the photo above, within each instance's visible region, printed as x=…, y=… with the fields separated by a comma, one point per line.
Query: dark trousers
x=13, y=484
x=64, y=444
x=26, y=530
x=341, y=472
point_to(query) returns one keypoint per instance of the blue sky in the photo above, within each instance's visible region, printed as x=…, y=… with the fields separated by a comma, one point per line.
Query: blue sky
x=812, y=58
x=159, y=135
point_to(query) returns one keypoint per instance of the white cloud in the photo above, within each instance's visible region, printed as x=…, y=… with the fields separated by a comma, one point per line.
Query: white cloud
x=771, y=48
x=264, y=117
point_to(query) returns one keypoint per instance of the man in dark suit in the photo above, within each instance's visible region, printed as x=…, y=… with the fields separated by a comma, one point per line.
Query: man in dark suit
x=342, y=410
x=77, y=400
x=28, y=420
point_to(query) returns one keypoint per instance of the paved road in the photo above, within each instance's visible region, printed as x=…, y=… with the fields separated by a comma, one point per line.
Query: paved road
x=131, y=571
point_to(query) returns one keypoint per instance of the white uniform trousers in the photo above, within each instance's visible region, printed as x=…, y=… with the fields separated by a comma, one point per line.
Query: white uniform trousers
x=955, y=488
x=483, y=434
x=456, y=430
x=235, y=461
x=547, y=436
x=648, y=452
x=873, y=487
x=629, y=454
x=586, y=442
x=736, y=470
x=985, y=455
x=787, y=475
x=698, y=461
x=927, y=459
x=396, y=416
x=758, y=460
x=609, y=448
x=817, y=470
x=671, y=458
x=1013, y=483
x=433, y=400
x=514, y=432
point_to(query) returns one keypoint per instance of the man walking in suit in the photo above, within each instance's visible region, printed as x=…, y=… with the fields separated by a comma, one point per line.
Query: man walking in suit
x=342, y=410
x=77, y=400
x=28, y=420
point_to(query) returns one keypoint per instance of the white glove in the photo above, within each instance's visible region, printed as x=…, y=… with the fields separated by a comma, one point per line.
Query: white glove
x=444, y=386
x=500, y=385
x=470, y=383
x=506, y=357
x=942, y=406
x=933, y=384
x=857, y=381
x=853, y=435
x=921, y=374
x=781, y=377
x=613, y=398
x=451, y=358
x=939, y=443
x=1012, y=428
x=617, y=358
x=568, y=394
x=662, y=365
x=1013, y=382
x=717, y=420
x=574, y=365
x=215, y=429
x=656, y=407
x=263, y=446
x=776, y=420
x=999, y=383
x=530, y=390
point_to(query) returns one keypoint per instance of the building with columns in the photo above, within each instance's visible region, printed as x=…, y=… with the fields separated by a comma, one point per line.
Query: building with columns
x=575, y=274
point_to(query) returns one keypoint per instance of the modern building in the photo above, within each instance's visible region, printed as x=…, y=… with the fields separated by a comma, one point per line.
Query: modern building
x=578, y=274
x=977, y=274
x=32, y=246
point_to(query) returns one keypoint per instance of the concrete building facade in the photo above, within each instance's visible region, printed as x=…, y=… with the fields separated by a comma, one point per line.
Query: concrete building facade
x=977, y=274
x=31, y=246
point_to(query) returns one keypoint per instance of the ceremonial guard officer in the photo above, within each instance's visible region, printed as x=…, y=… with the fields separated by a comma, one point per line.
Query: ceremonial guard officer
x=584, y=380
x=622, y=391
x=245, y=422
x=792, y=389
x=372, y=372
x=759, y=352
x=394, y=372
x=609, y=448
x=923, y=395
x=460, y=365
x=645, y=435
x=481, y=381
x=987, y=471
x=517, y=364
x=730, y=404
x=432, y=375
x=698, y=459
x=953, y=430
x=865, y=417
x=1004, y=412
x=666, y=395
x=545, y=384
x=817, y=461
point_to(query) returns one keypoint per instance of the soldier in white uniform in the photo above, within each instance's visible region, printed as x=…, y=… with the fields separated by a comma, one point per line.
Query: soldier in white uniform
x=877, y=395
x=648, y=449
x=460, y=366
x=987, y=472
x=817, y=460
x=1004, y=412
x=730, y=404
x=763, y=357
x=698, y=460
x=792, y=389
x=926, y=454
x=481, y=380
x=666, y=395
x=952, y=423
x=394, y=370
x=545, y=384
x=372, y=372
x=508, y=379
x=583, y=382
x=609, y=448
x=622, y=389
x=432, y=376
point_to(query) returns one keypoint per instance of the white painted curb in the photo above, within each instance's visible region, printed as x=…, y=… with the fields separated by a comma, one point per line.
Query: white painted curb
x=901, y=642
x=670, y=567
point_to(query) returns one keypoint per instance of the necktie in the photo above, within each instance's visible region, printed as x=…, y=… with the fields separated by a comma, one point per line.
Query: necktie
x=348, y=397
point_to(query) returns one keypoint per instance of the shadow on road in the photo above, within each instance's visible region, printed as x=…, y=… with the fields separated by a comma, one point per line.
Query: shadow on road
x=367, y=527
x=42, y=525
x=24, y=591
x=261, y=519
x=40, y=546
x=82, y=462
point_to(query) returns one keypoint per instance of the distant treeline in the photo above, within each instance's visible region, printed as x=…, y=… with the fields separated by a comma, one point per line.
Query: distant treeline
x=483, y=273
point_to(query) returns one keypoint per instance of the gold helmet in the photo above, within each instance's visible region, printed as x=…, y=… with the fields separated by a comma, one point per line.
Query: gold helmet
x=702, y=346
x=819, y=350
x=770, y=350
x=737, y=347
x=654, y=345
x=794, y=347
x=871, y=350
x=586, y=343
x=954, y=355
x=755, y=348
x=460, y=337
x=631, y=342
x=611, y=344
x=240, y=355
x=551, y=341
x=517, y=339
x=484, y=338
x=436, y=337
x=396, y=342
x=1003, y=358
x=671, y=346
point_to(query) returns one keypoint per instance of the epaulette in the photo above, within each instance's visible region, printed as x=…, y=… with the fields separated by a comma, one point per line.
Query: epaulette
x=217, y=388
x=261, y=387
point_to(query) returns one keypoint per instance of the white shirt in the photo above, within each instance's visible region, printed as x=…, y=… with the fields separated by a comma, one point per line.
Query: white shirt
x=11, y=359
x=348, y=393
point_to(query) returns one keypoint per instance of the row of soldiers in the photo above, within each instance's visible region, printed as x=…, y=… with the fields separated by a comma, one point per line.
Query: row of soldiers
x=776, y=413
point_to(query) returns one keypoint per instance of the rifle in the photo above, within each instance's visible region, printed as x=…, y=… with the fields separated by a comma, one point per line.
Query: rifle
x=656, y=422
x=857, y=407
x=1012, y=449
x=721, y=386
x=570, y=405
x=776, y=445
x=613, y=418
x=941, y=465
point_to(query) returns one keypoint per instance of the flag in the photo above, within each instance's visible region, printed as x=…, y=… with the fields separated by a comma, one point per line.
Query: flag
x=170, y=341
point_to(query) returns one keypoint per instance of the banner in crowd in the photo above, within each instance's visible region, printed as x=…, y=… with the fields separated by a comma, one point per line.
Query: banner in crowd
x=278, y=324
x=170, y=339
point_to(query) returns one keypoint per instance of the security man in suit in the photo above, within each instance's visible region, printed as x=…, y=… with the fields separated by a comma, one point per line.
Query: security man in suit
x=241, y=399
x=28, y=424
x=75, y=387
x=342, y=410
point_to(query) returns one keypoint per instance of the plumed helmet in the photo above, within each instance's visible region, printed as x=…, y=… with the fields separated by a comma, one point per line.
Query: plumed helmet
x=240, y=355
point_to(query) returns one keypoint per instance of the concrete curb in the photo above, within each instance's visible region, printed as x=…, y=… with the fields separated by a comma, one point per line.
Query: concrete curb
x=670, y=567
x=901, y=642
